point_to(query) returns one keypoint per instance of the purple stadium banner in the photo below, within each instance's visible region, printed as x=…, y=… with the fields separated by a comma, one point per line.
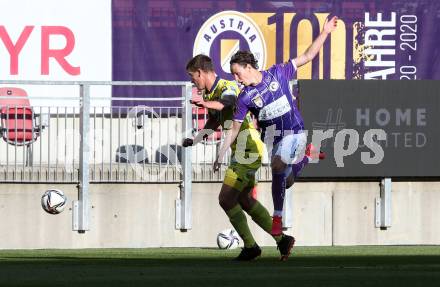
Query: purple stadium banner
x=153, y=40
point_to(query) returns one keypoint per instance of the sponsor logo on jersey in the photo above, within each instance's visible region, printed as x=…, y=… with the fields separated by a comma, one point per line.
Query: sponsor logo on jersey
x=275, y=109
x=273, y=86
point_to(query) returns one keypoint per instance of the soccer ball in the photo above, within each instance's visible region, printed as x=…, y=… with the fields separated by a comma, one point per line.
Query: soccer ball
x=228, y=239
x=53, y=201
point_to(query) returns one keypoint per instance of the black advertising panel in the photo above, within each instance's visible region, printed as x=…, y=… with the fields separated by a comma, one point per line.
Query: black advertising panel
x=373, y=128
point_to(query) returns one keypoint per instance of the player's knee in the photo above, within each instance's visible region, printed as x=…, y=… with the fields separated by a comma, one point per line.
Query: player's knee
x=246, y=201
x=226, y=200
x=277, y=165
x=290, y=180
x=222, y=202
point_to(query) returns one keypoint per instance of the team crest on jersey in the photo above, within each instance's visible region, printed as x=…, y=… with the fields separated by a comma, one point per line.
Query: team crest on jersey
x=258, y=101
x=273, y=86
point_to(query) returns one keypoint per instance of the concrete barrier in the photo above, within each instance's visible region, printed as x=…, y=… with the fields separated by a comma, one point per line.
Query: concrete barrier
x=143, y=215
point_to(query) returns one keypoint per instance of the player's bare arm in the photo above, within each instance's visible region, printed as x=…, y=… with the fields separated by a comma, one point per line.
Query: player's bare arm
x=227, y=101
x=231, y=136
x=313, y=50
x=210, y=126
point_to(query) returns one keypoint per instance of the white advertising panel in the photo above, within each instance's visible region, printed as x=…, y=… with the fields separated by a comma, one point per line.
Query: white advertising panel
x=56, y=40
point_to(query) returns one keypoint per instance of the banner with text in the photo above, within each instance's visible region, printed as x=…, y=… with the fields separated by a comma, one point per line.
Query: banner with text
x=373, y=128
x=396, y=39
x=56, y=40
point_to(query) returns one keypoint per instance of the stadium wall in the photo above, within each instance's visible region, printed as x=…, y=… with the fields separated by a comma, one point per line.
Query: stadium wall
x=143, y=215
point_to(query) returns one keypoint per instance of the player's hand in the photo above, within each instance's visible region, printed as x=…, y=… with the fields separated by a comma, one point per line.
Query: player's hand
x=330, y=25
x=198, y=105
x=187, y=142
x=216, y=166
x=197, y=100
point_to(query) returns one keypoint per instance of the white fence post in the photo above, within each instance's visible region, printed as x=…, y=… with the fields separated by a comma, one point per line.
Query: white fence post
x=383, y=205
x=184, y=202
x=81, y=208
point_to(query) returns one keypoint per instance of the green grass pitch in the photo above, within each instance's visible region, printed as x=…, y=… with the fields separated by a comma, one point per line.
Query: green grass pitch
x=307, y=266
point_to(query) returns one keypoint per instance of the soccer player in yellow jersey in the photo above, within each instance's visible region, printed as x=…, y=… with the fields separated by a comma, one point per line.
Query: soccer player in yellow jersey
x=235, y=196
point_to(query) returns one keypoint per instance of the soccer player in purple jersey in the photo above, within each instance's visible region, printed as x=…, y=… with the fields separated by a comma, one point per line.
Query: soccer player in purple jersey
x=267, y=95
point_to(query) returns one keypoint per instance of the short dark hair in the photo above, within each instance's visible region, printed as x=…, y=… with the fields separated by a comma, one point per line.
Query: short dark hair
x=243, y=58
x=201, y=62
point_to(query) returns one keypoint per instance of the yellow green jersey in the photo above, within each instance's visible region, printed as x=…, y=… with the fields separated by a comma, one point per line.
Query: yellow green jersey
x=226, y=92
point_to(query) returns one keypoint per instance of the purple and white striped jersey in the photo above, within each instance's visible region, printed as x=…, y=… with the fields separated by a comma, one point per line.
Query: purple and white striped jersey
x=272, y=101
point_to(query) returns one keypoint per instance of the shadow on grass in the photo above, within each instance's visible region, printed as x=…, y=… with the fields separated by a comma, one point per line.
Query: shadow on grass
x=382, y=261
x=212, y=267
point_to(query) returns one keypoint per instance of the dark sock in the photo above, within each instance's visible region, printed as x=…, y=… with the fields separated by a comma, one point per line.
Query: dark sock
x=278, y=190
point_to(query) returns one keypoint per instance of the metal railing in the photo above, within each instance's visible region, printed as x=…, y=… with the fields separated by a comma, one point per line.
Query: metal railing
x=87, y=142
x=135, y=142
x=126, y=143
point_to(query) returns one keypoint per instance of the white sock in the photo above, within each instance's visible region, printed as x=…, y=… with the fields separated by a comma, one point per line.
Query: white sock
x=278, y=213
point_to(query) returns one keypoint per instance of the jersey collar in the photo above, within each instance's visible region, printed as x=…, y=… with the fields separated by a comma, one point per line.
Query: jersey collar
x=214, y=85
x=262, y=83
